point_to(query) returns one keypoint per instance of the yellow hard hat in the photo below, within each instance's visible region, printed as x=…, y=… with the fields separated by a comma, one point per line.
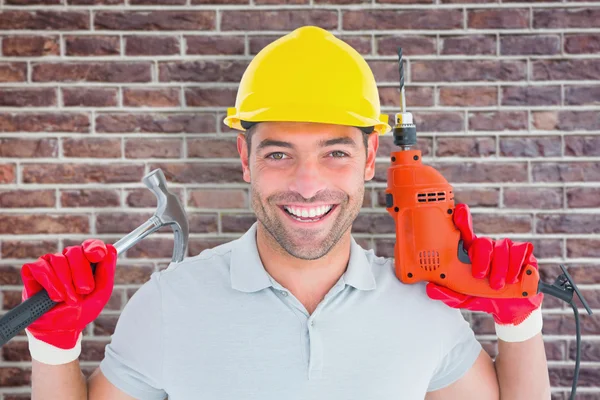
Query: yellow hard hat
x=308, y=75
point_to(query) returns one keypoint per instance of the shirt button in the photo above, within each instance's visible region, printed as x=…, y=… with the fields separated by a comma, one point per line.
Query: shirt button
x=284, y=293
x=312, y=323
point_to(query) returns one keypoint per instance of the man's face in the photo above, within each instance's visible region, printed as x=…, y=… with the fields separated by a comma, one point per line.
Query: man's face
x=307, y=182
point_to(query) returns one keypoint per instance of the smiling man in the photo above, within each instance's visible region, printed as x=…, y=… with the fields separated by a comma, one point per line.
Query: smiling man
x=295, y=308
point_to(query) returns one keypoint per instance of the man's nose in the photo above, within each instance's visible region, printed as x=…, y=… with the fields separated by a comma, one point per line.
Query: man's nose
x=308, y=179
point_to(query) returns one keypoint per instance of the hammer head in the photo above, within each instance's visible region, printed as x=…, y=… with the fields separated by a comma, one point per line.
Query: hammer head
x=169, y=212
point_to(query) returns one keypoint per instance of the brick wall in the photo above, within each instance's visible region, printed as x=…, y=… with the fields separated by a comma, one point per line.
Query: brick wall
x=96, y=93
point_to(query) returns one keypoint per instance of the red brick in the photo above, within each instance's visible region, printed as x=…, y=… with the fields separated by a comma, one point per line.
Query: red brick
x=212, y=148
x=28, y=148
x=565, y=171
x=23, y=249
x=19, y=198
x=201, y=71
x=466, y=146
x=137, y=273
x=529, y=44
x=13, y=72
x=89, y=97
x=579, y=69
x=373, y=223
x=253, y=20
x=89, y=198
x=153, y=148
x=27, y=97
x=30, y=46
x=151, y=97
x=33, y=2
x=584, y=274
x=362, y=44
x=215, y=45
x=530, y=95
x=439, y=121
x=532, y=197
x=151, y=45
x=95, y=2
x=386, y=71
x=163, y=20
x=411, y=45
x=589, y=376
x=152, y=248
x=44, y=122
x=155, y=123
x=582, y=95
x=16, y=224
x=15, y=376
x=92, y=350
x=511, y=146
x=257, y=43
x=92, y=147
x=476, y=197
x=412, y=19
x=583, y=197
x=261, y=2
x=566, y=120
x=119, y=222
x=191, y=172
x=568, y=223
x=10, y=299
x=489, y=224
x=105, y=325
x=582, y=145
x=468, y=45
x=416, y=96
x=504, y=18
x=498, y=120
x=218, y=198
x=92, y=45
x=220, y=2
x=459, y=70
x=546, y=248
x=468, y=1
x=583, y=248
x=16, y=351
x=91, y=72
x=210, y=97
x=44, y=20
x=566, y=18
x=82, y=173
x=7, y=173
x=590, y=350
x=203, y=223
x=582, y=43
x=474, y=96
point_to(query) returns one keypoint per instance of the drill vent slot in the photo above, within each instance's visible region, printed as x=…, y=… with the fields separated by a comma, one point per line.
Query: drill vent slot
x=431, y=197
x=429, y=260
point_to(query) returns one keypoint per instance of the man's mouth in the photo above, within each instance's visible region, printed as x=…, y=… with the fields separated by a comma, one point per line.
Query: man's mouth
x=308, y=214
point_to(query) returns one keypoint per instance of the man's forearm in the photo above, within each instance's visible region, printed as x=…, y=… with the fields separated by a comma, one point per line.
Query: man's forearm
x=64, y=381
x=522, y=370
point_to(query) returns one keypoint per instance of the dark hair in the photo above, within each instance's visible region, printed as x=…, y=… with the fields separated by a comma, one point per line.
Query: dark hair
x=250, y=131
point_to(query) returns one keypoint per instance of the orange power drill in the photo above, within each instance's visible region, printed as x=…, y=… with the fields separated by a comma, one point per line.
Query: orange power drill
x=428, y=245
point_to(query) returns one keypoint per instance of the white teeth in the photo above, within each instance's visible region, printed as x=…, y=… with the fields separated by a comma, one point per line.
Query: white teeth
x=315, y=212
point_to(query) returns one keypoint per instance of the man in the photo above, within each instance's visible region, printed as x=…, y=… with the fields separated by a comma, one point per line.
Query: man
x=294, y=309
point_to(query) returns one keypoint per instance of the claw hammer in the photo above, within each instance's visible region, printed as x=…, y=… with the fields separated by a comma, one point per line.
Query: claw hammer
x=169, y=212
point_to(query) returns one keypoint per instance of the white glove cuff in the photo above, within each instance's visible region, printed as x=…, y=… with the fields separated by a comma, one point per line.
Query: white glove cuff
x=531, y=326
x=52, y=355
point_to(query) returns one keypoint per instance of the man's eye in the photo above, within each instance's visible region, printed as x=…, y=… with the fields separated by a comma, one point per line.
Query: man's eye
x=276, y=156
x=338, y=154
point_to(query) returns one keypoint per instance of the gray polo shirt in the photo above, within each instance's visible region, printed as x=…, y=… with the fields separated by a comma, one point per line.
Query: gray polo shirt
x=218, y=326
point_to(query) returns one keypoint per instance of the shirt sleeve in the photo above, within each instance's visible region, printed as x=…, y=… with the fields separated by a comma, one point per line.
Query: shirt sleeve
x=133, y=359
x=462, y=351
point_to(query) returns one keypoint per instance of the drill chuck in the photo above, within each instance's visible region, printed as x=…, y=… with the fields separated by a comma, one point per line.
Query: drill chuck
x=405, y=131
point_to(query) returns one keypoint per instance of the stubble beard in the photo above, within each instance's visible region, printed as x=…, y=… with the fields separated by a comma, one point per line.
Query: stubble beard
x=302, y=243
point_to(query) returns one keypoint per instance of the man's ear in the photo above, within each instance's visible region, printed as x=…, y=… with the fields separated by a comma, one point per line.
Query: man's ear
x=371, y=154
x=242, y=148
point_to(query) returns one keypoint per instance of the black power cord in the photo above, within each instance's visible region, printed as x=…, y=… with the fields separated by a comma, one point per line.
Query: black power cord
x=563, y=288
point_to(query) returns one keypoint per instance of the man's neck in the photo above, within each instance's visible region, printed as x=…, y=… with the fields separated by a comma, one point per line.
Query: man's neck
x=308, y=280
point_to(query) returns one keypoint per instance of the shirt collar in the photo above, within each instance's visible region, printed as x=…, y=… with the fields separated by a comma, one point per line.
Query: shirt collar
x=249, y=275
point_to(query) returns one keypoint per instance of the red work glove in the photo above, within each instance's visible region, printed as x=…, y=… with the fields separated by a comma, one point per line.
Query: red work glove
x=68, y=279
x=502, y=262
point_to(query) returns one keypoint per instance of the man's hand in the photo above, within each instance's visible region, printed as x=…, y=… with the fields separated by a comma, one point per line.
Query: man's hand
x=502, y=262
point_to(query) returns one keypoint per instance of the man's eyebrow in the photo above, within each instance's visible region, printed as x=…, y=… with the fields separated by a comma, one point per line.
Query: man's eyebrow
x=271, y=142
x=341, y=140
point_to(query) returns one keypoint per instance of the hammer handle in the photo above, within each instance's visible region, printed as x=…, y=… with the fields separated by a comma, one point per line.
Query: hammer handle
x=25, y=313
